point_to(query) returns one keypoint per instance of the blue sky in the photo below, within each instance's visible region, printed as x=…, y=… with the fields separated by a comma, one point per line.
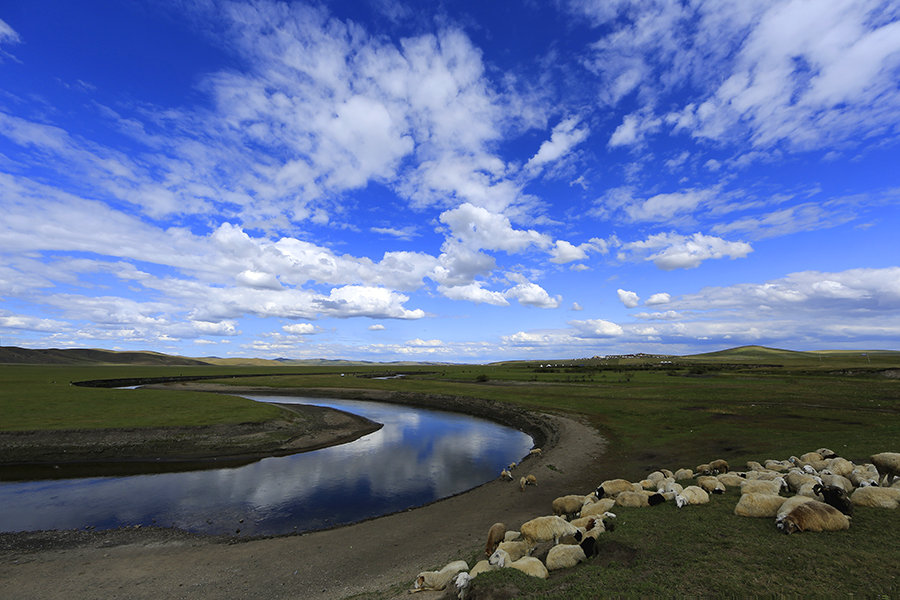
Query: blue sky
x=479, y=181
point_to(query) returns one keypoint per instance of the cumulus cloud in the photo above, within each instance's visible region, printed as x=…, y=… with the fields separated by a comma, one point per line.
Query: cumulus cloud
x=473, y=292
x=533, y=295
x=670, y=251
x=629, y=299
x=300, y=328
x=596, y=328
x=660, y=298
x=479, y=228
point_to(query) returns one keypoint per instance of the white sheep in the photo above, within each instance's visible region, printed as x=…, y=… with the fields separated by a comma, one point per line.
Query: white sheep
x=516, y=549
x=568, y=505
x=535, y=452
x=511, y=536
x=544, y=529
x=790, y=504
x=815, y=516
x=711, y=484
x=566, y=556
x=613, y=487
x=482, y=566
x=731, y=479
x=863, y=475
x=682, y=474
x=839, y=466
x=835, y=480
x=597, y=508
x=888, y=465
x=876, y=497
x=527, y=480
x=762, y=486
x=758, y=505
x=796, y=478
x=692, y=494
x=632, y=499
x=506, y=475
x=528, y=564
x=438, y=580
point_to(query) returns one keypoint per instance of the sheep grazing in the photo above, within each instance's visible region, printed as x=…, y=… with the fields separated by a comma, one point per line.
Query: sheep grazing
x=566, y=556
x=888, y=465
x=613, y=487
x=566, y=506
x=535, y=452
x=692, y=494
x=527, y=480
x=496, y=534
x=836, y=497
x=762, y=486
x=711, y=484
x=544, y=529
x=506, y=475
x=814, y=516
x=876, y=497
x=758, y=505
x=438, y=580
x=527, y=564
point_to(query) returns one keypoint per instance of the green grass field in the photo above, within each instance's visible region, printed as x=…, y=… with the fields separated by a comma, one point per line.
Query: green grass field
x=746, y=404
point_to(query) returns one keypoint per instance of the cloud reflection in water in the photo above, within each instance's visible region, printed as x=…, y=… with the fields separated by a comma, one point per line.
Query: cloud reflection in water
x=417, y=457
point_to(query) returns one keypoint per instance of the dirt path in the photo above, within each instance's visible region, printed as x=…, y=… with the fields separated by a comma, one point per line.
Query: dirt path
x=370, y=556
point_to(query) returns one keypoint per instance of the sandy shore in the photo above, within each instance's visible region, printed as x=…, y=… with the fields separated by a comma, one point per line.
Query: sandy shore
x=371, y=556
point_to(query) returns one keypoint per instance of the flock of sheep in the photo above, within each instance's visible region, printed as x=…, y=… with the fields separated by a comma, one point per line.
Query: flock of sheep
x=824, y=489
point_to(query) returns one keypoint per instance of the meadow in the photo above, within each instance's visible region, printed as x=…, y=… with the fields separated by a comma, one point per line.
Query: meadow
x=671, y=412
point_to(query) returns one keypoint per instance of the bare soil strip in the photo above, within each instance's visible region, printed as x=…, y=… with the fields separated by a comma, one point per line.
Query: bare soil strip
x=369, y=556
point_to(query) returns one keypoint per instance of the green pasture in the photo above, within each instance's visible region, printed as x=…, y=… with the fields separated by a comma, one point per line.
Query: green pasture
x=747, y=404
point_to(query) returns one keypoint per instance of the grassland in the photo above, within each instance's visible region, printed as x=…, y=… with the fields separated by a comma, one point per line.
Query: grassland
x=745, y=404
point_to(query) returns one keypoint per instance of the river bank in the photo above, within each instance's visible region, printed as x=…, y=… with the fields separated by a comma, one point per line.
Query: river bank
x=371, y=556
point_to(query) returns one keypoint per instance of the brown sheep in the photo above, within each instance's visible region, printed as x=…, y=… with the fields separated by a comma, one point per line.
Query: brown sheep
x=815, y=516
x=495, y=536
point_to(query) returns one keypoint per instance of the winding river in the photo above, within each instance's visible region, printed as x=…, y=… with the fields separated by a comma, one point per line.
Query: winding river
x=419, y=456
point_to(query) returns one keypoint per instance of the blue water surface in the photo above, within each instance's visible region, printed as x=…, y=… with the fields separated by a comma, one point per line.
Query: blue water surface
x=417, y=457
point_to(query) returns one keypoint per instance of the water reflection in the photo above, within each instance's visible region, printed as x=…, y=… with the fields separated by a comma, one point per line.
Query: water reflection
x=417, y=457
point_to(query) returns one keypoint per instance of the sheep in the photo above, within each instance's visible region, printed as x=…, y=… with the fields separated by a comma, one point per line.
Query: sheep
x=778, y=465
x=536, y=452
x=496, y=534
x=692, y=494
x=511, y=466
x=754, y=466
x=863, y=475
x=567, y=505
x=527, y=480
x=789, y=505
x=656, y=476
x=876, y=497
x=598, y=508
x=682, y=474
x=829, y=478
x=633, y=499
x=836, y=497
x=482, y=566
x=516, y=550
x=761, y=486
x=839, y=466
x=438, y=580
x=813, y=459
x=731, y=479
x=711, y=484
x=758, y=505
x=544, y=529
x=718, y=466
x=796, y=478
x=826, y=453
x=506, y=475
x=511, y=536
x=670, y=487
x=656, y=499
x=809, y=490
x=566, y=556
x=703, y=469
x=888, y=465
x=814, y=516
x=461, y=581
x=612, y=487
x=527, y=564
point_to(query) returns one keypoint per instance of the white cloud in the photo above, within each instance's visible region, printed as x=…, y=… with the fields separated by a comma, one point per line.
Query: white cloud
x=300, y=328
x=577, y=307
x=670, y=251
x=473, y=292
x=377, y=327
x=565, y=136
x=596, y=328
x=7, y=34
x=479, y=228
x=633, y=129
x=533, y=295
x=629, y=299
x=660, y=298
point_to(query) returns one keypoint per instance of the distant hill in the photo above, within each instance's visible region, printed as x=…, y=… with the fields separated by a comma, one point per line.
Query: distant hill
x=753, y=353
x=87, y=356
